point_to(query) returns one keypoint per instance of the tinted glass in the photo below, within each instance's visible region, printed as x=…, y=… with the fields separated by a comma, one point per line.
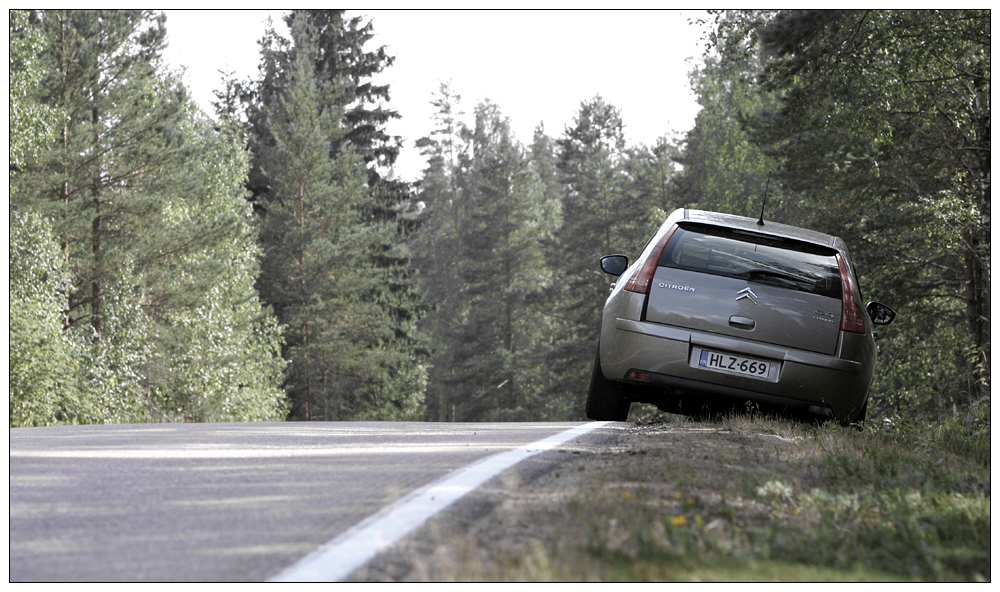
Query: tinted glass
x=756, y=258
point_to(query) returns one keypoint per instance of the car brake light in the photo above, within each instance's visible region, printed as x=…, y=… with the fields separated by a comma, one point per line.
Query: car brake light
x=643, y=277
x=851, y=319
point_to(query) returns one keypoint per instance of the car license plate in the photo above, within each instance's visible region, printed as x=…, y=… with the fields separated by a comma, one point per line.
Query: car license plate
x=731, y=364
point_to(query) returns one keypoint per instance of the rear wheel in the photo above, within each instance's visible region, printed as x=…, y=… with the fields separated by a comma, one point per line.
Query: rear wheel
x=606, y=400
x=859, y=421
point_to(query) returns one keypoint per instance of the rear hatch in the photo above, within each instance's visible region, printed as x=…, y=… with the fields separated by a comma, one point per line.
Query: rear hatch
x=742, y=284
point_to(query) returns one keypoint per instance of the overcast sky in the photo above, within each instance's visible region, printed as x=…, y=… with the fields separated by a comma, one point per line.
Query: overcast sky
x=538, y=66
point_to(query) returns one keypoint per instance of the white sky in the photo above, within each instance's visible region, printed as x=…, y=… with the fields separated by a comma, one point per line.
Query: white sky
x=538, y=66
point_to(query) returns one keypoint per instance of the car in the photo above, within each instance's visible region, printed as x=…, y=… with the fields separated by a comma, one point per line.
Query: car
x=722, y=311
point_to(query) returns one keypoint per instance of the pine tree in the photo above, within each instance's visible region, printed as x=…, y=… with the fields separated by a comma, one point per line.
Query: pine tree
x=139, y=192
x=114, y=111
x=652, y=175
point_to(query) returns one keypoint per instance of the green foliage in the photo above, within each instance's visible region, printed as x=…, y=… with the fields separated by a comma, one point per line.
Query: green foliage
x=115, y=360
x=653, y=174
x=30, y=121
x=600, y=217
x=724, y=170
x=874, y=125
x=43, y=365
x=509, y=253
x=157, y=312
x=332, y=268
x=97, y=184
x=220, y=358
x=310, y=239
x=885, y=136
x=438, y=247
x=504, y=221
x=966, y=434
x=136, y=258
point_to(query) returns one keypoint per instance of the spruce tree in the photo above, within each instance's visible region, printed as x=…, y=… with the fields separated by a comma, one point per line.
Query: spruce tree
x=335, y=267
x=488, y=224
x=437, y=248
x=596, y=211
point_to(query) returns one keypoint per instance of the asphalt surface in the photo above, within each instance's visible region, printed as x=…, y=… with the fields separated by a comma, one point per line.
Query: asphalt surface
x=219, y=502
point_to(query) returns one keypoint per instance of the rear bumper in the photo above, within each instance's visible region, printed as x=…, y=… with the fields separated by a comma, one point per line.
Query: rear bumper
x=805, y=381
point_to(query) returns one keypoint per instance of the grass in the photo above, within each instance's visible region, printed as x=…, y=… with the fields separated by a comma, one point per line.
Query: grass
x=759, y=499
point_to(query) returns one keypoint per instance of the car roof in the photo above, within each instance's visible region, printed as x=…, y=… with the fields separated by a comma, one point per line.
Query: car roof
x=769, y=228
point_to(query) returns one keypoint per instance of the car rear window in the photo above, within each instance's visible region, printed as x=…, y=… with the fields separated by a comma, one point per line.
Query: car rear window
x=754, y=257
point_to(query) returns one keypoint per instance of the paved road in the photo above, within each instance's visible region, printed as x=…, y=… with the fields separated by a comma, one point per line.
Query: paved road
x=219, y=502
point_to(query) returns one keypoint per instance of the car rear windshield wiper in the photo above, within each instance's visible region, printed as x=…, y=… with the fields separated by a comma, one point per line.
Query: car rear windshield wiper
x=763, y=274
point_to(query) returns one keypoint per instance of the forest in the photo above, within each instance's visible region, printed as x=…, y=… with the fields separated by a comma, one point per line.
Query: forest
x=263, y=262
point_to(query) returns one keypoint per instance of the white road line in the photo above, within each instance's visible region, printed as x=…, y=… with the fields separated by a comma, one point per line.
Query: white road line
x=195, y=452
x=338, y=558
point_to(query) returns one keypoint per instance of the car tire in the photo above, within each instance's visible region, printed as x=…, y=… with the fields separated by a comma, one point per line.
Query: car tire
x=859, y=421
x=606, y=400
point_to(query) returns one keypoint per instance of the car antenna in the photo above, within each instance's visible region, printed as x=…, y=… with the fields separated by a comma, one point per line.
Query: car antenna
x=760, y=221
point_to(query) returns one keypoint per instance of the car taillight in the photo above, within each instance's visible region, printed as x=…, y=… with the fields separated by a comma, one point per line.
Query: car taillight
x=851, y=319
x=643, y=277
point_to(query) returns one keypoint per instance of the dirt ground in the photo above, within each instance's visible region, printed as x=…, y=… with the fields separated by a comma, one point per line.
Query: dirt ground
x=537, y=520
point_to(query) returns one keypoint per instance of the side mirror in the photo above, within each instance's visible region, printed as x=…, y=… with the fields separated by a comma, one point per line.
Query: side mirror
x=880, y=314
x=614, y=264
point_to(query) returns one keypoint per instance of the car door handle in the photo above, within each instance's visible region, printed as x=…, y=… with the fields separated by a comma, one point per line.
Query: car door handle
x=742, y=323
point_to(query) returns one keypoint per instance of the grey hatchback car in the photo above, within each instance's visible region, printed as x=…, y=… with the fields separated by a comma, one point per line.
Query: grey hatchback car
x=721, y=311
